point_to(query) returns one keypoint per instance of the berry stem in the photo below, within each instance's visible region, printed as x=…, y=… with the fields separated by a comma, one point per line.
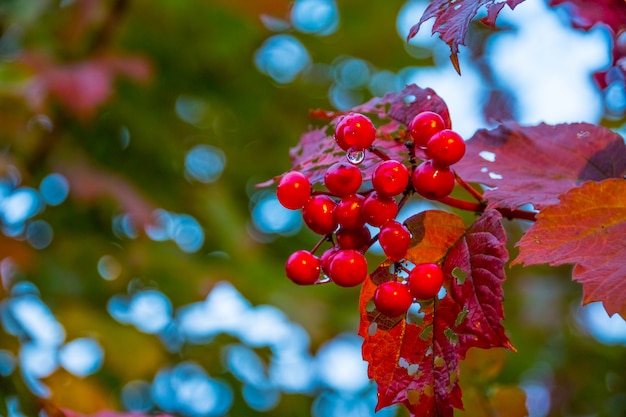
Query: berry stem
x=475, y=193
x=480, y=208
x=326, y=238
x=379, y=153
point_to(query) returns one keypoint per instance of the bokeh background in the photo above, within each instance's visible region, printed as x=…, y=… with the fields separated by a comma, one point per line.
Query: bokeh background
x=142, y=269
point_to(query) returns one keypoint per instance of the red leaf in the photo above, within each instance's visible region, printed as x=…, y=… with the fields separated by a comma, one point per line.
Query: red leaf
x=81, y=87
x=586, y=228
x=317, y=148
x=415, y=360
x=585, y=14
x=533, y=165
x=89, y=184
x=453, y=17
x=476, y=267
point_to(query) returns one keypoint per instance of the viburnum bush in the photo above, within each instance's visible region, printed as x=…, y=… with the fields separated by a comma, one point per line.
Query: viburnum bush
x=439, y=292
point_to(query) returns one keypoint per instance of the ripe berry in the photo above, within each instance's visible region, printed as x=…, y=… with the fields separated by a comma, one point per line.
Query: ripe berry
x=303, y=268
x=395, y=240
x=358, y=238
x=318, y=214
x=446, y=148
x=377, y=209
x=432, y=182
x=348, y=211
x=390, y=178
x=342, y=179
x=327, y=257
x=424, y=125
x=348, y=268
x=392, y=298
x=425, y=281
x=355, y=131
x=294, y=190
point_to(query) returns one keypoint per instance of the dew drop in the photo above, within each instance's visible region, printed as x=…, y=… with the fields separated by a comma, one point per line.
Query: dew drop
x=355, y=155
x=495, y=176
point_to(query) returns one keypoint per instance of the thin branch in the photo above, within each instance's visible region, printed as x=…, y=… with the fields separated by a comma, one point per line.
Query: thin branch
x=475, y=193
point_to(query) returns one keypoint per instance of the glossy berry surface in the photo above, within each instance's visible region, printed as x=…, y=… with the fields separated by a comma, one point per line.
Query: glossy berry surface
x=348, y=268
x=395, y=240
x=343, y=179
x=424, y=125
x=348, y=211
x=392, y=298
x=446, y=148
x=355, y=131
x=390, y=178
x=326, y=258
x=294, y=190
x=303, y=268
x=425, y=281
x=358, y=238
x=378, y=209
x=318, y=214
x=432, y=182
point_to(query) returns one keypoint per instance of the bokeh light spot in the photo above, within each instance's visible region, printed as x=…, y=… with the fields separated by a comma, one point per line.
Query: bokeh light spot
x=205, y=163
x=282, y=57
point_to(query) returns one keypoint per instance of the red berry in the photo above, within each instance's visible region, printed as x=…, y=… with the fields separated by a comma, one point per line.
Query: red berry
x=327, y=257
x=348, y=211
x=424, y=125
x=377, y=209
x=343, y=179
x=355, y=131
x=303, y=268
x=390, y=178
x=432, y=182
x=348, y=268
x=392, y=298
x=358, y=239
x=425, y=281
x=395, y=240
x=446, y=148
x=318, y=214
x=294, y=190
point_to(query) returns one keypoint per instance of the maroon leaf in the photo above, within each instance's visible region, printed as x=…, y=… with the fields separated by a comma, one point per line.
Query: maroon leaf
x=80, y=87
x=89, y=184
x=586, y=228
x=585, y=14
x=318, y=150
x=453, y=17
x=476, y=267
x=415, y=360
x=533, y=165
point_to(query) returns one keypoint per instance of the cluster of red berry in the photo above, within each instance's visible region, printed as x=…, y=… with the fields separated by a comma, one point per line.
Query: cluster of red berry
x=344, y=213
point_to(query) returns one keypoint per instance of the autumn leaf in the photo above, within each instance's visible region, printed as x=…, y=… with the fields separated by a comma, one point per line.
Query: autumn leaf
x=80, y=87
x=317, y=148
x=585, y=14
x=476, y=265
x=415, y=359
x=533, y=165
x=453, y=17
x=91, y=184
x=586, y=228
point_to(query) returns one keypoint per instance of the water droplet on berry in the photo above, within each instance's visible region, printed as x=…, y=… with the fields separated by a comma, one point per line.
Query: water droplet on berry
x=495, y=176
x=355, y=155
x=582, y=134
x=484, y=169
